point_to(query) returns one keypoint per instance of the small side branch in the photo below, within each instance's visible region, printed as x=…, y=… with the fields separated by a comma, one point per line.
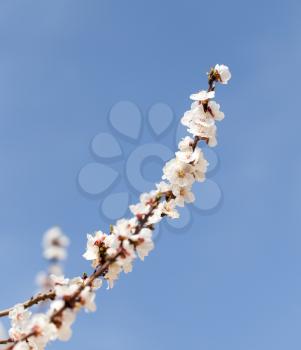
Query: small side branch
x=32, y=301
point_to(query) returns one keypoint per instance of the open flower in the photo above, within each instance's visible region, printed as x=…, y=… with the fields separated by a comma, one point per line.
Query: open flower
x=44, y=330
x=139, y=209
x=64, y=287
x=178, y=173
x=186, y=144
x=163, y=187
x=202, y=95
x=189, y=156
x=64, y=331
x=224, y=74
x=19, y=322
x=93, y=245
x=22, y=346
x=88, y=299
x=201, y=123
x=182, y=194
x=169, y=209
x=206, y=132
x=143, y=242
x=156, y=217
x=55, y=244
x=113, y=274
x=200, y=169
x=214, y=110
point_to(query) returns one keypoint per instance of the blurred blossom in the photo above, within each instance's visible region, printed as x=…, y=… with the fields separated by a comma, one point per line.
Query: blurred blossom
x=55, y=244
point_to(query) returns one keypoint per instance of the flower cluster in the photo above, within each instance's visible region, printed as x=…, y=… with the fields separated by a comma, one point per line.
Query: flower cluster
x=114, y=252
x=221, y=73
x=121, y=246
x=54, y=245
x=200, y=119
x=125, y=242
x=44, y=328
x=23, y=323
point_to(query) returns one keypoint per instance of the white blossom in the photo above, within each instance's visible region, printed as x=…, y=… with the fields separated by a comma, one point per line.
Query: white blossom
x=64, y=330
x=125, y=227
x=178, y=173
x=189, y=156
x=43, y=279
x=214, y=108
x=163, y=187
x=93, y=244
x=201, y=123
x=55, y=244
x=118, y=241
x=64, y=286
x=144, y=242
x=19, y=316
x=24, y=323
x=202, y=95
x=96, y=284
x=200, y=168
x=169, y=208
x=186, y=144
x=88, y=299
x=127, y=255
x=156, y=217
x=44, y=330
x=148, y=198
x=182, y=194
x=113, y=274
x=224, y=73
x=22, y=346
x=139, y=208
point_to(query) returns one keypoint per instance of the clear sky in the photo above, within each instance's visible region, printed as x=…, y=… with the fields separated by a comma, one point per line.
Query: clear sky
x=231, y=280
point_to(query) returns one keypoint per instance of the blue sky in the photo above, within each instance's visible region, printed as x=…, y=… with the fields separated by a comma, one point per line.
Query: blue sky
x=232, y=281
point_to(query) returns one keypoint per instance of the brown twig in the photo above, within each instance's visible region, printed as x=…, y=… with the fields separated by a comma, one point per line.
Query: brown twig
x=24, y=338
x=32, y=301
x=5, y=341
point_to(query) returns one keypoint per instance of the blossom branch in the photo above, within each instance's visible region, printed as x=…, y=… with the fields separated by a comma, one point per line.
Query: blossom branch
x=70, y=302
x=115, y=252
x=5, y=341
x=32, y=301
x=54, y=250
x=50, y=295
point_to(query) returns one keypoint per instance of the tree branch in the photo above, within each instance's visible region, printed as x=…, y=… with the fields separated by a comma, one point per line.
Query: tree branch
x=101, y=270
x=5, y=341
x=32, y=301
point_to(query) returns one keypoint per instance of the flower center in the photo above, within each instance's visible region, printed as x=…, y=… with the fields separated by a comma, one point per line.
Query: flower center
x=181, y=173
